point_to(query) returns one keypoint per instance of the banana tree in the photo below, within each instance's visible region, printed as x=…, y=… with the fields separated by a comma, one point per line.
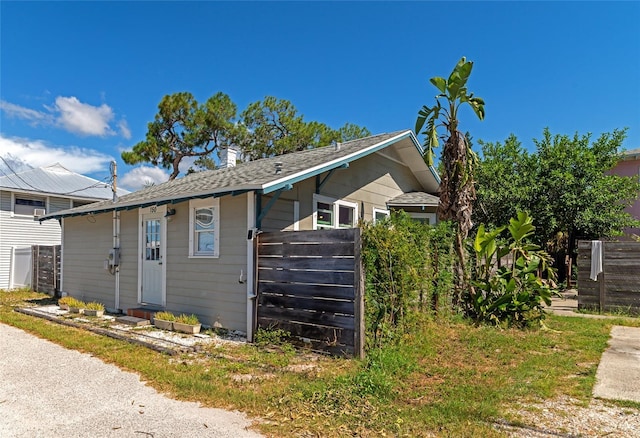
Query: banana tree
x=457, y=191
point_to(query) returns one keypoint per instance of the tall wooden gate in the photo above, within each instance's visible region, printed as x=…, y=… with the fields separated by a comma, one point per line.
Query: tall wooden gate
x=310, y=283
x=45, y=269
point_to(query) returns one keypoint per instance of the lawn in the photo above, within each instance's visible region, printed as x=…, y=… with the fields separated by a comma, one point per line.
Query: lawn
x=448, y=378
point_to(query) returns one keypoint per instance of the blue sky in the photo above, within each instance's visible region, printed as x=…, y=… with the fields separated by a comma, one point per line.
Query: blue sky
x=79, y=81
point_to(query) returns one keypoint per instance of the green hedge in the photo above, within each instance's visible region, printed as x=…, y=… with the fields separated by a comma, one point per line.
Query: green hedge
x=409, y=271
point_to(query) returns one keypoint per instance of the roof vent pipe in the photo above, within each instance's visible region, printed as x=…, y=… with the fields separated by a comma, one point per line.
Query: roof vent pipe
x=337, y=146
x=278, y=166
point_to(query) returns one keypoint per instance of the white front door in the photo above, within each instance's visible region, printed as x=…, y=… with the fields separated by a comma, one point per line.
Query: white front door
x=152, y=248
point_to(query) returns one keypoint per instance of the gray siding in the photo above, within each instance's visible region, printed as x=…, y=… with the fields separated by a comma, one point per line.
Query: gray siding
x=87, y=240
x=370, y=182
x=280, y=216
x=209, y=287
x=129, y=257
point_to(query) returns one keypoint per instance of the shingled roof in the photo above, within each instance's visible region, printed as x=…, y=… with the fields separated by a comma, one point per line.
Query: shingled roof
x=414, y=199
x=261, y=175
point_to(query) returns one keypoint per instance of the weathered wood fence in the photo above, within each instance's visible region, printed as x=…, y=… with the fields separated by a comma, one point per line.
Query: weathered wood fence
x=618, y=285
x=45, y=269
x=310, y=283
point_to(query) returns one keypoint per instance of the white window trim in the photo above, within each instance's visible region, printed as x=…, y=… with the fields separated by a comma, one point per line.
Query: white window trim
x=384, y=211
x=204, y=203
x=26, y=196
x=336, y=203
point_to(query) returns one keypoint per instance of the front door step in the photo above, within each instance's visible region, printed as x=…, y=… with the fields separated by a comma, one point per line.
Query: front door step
x=143, y=312
x=132, y=320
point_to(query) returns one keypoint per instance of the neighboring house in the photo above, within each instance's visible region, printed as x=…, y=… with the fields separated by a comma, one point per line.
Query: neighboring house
x=26, y=195
x=188, y=245
x=629, y=165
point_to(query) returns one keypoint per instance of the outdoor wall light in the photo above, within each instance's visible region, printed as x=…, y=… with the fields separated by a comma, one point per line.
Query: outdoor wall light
x=170, y=212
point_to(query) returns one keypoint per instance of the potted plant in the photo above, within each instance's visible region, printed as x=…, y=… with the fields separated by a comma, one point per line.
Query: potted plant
x=187, y=324
x=64, y=302
x=164, y=320
x=76, y=306
x=94, y=309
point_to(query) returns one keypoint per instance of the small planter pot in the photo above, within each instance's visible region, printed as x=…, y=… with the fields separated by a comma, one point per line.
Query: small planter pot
x=187, y=328
x=76, y=310
x=162, y=324
x=90, y=312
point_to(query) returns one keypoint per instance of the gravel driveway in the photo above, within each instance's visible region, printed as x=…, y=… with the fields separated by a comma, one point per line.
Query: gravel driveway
x=101, y=401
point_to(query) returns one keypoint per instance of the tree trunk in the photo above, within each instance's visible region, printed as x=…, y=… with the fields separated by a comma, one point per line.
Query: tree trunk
x=457, y=195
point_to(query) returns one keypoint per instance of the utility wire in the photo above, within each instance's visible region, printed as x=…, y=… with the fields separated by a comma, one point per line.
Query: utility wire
x=97, y=184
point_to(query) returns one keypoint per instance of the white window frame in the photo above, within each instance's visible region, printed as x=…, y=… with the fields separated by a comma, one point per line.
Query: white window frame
x=15, y=195
x=194, y=204
x=335, y=204
x=377, y=210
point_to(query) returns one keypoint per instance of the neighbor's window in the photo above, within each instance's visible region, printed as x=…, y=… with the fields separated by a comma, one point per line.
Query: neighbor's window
x=331, y=213
x=380, y=214
x=204, y=227
x=426, y=218
x=27, y=205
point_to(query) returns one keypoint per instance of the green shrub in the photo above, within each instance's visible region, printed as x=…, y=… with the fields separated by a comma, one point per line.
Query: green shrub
x=408, y=269
x=271, y=336
x=164, y=316
x=187, y=319
x=511, y=292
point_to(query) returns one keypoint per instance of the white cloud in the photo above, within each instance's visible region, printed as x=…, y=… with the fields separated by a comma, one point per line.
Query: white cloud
x=123, y=126
x=39, y=153
x=71, y=115
x=141, y=176
x=20, y=112
x=82, y=118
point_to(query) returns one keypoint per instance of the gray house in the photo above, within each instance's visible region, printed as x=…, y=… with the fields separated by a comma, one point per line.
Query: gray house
x=32, y=193
x=187, y=245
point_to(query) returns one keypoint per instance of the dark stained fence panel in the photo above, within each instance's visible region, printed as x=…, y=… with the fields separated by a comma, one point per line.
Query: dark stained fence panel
x=619, y=283
x=46, y=268
x=306, y=283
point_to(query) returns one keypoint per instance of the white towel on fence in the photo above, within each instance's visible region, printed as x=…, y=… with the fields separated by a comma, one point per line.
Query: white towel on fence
x=596, y=259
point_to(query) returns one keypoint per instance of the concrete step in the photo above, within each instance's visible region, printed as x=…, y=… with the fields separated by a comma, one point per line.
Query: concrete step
x=132, y=320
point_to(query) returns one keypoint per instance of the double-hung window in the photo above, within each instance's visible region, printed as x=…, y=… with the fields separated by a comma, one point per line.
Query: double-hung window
x=204, y=227
x=331, y=213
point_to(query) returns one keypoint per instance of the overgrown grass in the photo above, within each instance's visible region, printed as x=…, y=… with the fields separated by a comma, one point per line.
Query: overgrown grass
x=446, y=378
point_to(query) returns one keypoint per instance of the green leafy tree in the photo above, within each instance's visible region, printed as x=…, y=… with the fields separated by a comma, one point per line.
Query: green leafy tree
x=565, y=184
x=275, y=127
x=183, y=128
x=457, y=192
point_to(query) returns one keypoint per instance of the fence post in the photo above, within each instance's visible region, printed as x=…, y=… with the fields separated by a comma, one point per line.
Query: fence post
x=359, y=289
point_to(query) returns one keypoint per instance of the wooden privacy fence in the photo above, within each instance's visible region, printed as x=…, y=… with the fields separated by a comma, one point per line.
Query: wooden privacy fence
x=311, y=284
x=45, y=269
x=618, y=285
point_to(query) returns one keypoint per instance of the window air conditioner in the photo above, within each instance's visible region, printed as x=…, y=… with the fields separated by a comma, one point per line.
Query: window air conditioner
x=39, y=211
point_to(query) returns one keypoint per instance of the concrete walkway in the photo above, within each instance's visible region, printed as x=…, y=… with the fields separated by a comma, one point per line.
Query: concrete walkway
x=49, y=391
x=618, y=374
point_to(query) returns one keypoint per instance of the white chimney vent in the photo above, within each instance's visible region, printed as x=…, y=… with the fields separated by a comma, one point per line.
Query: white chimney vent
x=228, y=158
